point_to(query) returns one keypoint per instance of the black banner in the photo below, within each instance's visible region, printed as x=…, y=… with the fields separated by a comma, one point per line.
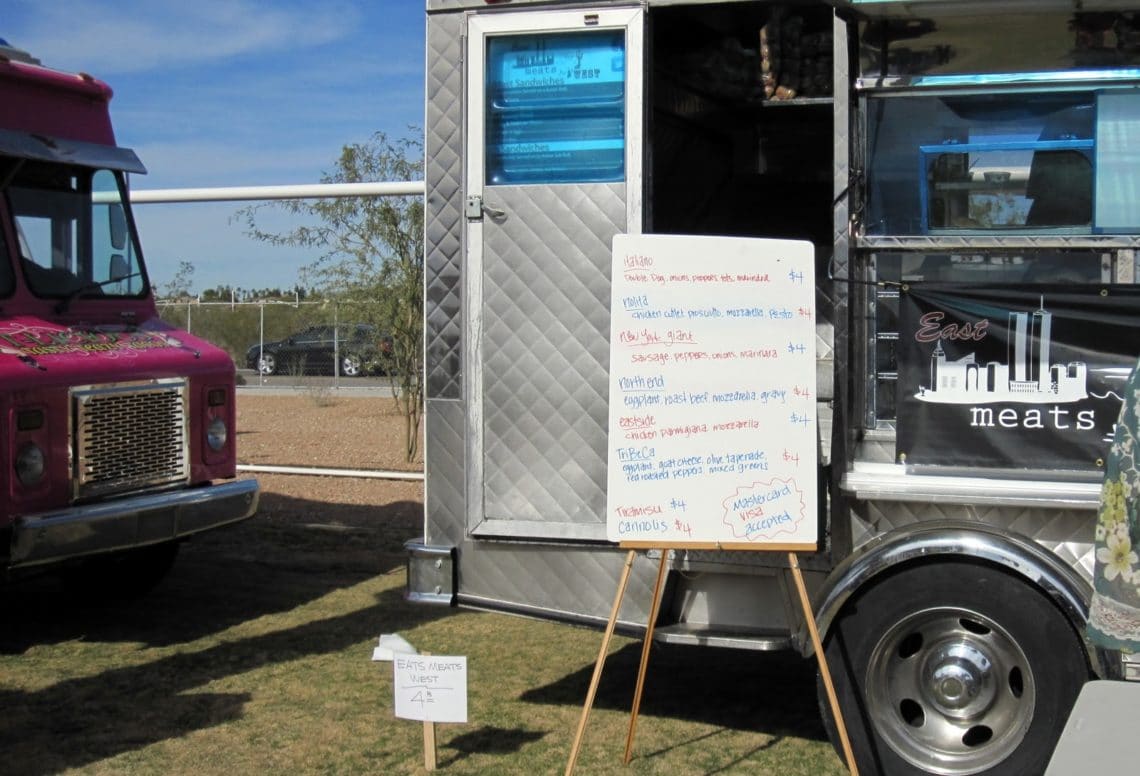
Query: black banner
x=1017, y=378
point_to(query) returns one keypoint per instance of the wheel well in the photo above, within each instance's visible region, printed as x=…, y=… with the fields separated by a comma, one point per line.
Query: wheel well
x=1012, y=554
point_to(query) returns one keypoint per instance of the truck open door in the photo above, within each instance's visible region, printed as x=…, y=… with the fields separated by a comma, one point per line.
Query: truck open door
x=553, y=171
x=552, y=161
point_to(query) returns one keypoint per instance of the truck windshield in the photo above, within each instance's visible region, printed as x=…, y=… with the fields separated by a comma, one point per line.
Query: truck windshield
x=73, y=235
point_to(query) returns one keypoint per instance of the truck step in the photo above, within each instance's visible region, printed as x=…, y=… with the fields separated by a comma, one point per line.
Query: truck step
x=1131, y=667
x=737, y=638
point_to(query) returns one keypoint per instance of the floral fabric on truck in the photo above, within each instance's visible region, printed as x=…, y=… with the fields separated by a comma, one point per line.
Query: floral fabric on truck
x=1114, y=621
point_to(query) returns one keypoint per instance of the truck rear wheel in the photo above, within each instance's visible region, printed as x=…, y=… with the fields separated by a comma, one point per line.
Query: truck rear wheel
x=953, y=668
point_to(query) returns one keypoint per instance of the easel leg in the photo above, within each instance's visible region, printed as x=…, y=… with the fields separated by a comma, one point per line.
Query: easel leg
x=821, y=658
x=645, y=654
x=601, y=662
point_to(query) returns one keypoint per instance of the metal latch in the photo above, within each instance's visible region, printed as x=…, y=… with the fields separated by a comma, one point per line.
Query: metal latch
x=475, y=209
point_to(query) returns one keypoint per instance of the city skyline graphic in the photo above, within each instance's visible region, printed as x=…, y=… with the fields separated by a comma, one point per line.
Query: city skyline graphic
x=1026, y=376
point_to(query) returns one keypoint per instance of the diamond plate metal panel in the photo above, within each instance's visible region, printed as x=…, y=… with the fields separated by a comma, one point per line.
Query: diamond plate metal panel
x=572, y=583
x=443, y=177
x=841, y=530
x=444, y=473
x=1066, y=532
x=545, y=350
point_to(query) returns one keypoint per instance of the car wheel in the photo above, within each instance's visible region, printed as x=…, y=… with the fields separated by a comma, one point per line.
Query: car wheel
x=267, y=364
x=351, y=366
x=953, y=668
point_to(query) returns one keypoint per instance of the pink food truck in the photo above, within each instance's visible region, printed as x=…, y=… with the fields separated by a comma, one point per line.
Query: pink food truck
x=118, y=431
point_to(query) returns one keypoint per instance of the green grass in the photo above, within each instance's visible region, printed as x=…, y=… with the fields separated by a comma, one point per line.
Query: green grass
x=254, y=656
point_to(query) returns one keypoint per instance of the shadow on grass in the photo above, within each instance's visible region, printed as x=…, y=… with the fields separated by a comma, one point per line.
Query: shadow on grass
x=708, y=740
x=265, y=565
x=294, y=552
x=83, y=720
x=773, y=692
x=489, y=740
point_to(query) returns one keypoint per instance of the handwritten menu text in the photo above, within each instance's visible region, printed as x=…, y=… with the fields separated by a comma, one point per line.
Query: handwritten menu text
x=712, y=374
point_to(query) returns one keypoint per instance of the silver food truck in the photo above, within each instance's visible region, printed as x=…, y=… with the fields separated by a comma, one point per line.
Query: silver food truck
x=966, y=174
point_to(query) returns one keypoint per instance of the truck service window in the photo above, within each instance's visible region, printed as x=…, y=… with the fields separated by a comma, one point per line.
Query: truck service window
x=1008, y=162
x=555, y=108
x=1117, y=165
x=981, y=163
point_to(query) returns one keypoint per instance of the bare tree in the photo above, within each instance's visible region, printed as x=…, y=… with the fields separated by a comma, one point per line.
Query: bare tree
x=179, y=286
x=371, y=256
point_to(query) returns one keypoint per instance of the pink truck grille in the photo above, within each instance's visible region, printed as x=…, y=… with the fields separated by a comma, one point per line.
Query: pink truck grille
x=129, y=437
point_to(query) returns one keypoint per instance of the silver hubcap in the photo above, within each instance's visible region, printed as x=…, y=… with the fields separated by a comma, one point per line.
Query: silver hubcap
x=950, y=691
x=266, y=364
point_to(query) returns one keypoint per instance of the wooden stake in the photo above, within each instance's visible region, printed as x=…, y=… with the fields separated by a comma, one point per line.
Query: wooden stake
x=645, y=654
x=429, y=739
x=429, y=745
x=596, y=679
x=822, y=660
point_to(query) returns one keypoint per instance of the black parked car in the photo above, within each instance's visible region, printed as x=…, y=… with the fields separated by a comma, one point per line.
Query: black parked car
x=314, y=350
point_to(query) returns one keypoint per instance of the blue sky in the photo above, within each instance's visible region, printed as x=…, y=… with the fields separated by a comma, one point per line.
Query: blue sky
x=233, y=93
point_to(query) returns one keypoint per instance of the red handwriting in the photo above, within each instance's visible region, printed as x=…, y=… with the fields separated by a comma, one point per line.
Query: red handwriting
x=640, y=510
x=931, y=329
x=637, y=421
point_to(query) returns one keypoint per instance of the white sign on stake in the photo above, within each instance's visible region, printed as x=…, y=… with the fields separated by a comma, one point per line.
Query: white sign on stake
x=430, y=688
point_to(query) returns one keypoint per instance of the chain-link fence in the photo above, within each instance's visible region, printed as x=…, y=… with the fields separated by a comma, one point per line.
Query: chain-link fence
x=297, y=344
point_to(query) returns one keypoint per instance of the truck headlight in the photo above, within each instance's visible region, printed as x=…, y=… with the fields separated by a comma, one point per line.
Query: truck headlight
x=30, y=464
x=216, y=434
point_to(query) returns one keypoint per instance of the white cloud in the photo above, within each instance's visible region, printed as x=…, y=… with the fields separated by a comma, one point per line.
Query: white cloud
x=112, y=38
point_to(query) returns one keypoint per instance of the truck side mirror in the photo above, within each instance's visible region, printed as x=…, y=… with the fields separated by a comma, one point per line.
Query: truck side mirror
x=117, y=270
x=117, y=223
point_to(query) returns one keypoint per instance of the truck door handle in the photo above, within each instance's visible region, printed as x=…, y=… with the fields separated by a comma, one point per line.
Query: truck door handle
x=476, y=209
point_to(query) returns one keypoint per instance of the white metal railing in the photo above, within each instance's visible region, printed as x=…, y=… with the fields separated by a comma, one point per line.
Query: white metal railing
x=296, y=191
x=284, y=191
x=317, y=471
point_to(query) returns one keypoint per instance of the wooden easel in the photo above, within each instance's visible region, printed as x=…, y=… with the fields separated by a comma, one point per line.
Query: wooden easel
x=729, y=280
x=809, y=618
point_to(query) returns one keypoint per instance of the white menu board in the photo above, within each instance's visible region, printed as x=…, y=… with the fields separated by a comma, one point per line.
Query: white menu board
x=712, y=426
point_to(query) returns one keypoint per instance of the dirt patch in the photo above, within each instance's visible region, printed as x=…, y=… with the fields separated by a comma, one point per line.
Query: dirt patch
x=330, y=431
x=322, y=430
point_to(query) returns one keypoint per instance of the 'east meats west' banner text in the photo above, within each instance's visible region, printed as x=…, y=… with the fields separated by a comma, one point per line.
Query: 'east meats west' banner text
x=1026, y=378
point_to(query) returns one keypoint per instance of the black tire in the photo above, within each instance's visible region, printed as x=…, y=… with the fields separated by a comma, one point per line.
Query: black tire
x=267, y=364
x=952, y=668
x=122, y=576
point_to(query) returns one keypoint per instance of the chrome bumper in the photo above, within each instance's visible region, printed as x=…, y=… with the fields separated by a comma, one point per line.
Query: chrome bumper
x=129, y=522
